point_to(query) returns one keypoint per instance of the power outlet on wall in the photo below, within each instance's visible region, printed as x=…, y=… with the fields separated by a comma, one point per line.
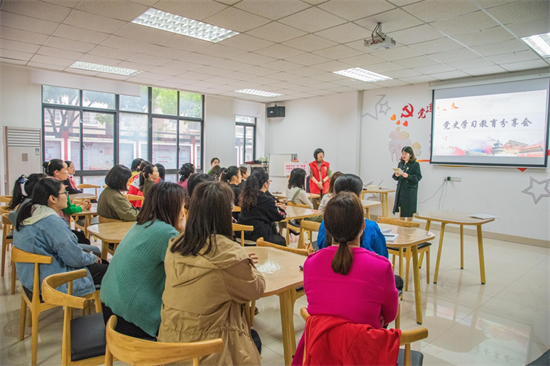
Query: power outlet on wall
x=452, y=179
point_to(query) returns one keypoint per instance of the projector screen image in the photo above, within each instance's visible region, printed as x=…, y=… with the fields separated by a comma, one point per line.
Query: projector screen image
x=505, y=129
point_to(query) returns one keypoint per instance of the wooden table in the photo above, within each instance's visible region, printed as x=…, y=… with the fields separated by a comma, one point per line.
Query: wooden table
x=88, y=214
x=110, y=233
x=295, y=213
x=367, y=205
x=461, y=219
x=82, y=196
x=282, y=276
x=411, y=237
x=383, y=192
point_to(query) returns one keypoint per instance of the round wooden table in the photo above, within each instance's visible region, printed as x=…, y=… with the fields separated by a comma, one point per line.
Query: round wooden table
x=383, y=192
x=82, y=196
x=367, y=205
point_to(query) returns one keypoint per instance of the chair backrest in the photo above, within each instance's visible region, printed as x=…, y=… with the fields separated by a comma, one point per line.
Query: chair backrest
x=85, y=185
x=6, y=219
x=242, y=229
x=397, y=222
x=134, y=351
x=262, y=243
x=297, y=205
x=20, y=256
x=5, y=199
x=407, y=337
x=309, y=226
x=103, y=220
x=134, y=197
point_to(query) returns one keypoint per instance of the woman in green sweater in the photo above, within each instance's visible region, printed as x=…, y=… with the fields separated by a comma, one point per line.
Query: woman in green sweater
x=133, y=285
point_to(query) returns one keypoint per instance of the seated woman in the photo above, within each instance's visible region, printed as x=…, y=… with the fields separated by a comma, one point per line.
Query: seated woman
x=162, y=173
x=133, y=186
x=233, y=176
x=133, y=285
x=244, y=173
x=209, y=278
x=327, y=196
x=70, y=183
x=296, y=190
x=40, y=230
x=21, y=193
x=345, y=280
x=372, y=238
x=260, y=210
x=186, y=171
x=112, y=204
x=148, y=179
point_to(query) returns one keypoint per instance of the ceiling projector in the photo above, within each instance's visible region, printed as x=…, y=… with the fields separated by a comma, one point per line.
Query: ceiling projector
x=379, y=40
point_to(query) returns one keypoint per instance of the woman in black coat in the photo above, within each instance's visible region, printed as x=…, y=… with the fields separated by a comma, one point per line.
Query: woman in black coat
x=407, y=184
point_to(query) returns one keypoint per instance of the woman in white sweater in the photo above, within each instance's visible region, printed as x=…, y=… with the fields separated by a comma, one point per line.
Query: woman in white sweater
x=296, y=191
x=330, y=193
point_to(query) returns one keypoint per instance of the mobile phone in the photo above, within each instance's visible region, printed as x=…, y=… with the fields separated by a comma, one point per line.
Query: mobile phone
x=301, y=268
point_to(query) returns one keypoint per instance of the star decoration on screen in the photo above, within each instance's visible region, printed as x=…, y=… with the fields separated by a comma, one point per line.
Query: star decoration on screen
x=379, y=107
x=384, y=108
x=537, y=189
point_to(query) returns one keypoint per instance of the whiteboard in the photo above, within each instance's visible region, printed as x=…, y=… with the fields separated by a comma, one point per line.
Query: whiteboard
x=277, y=164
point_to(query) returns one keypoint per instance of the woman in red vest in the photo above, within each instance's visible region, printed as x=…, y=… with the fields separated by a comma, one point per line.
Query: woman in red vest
x=319, y=173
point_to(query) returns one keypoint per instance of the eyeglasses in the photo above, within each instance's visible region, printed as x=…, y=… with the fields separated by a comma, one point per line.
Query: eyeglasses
x=66, y=193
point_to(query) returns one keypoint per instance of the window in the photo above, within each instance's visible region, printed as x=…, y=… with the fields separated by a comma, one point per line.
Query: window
x=97, y=130
x=245, y=139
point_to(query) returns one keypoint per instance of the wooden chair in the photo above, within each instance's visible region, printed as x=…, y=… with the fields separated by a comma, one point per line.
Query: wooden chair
x=297, y=205
x=242, y=229
x=84, y=186
x=139, y=352
x=406, y=356
x=134, y=197
x=287, y=223
x=83, y=341
x=404, y=253
x=7, y=239
x=5, y=200
x=104, y=220
x=309, y=227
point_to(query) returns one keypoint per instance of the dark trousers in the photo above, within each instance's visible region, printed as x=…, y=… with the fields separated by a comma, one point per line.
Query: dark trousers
x=97, y=270
x=125, y=327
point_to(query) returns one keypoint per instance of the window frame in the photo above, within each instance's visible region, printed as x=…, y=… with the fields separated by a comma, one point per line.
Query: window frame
x=246, y=125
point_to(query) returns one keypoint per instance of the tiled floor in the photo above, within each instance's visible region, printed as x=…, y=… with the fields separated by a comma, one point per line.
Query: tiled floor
x=506, y=321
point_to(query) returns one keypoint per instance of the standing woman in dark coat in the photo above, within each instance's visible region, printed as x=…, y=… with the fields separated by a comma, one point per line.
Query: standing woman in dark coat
x=407, y=184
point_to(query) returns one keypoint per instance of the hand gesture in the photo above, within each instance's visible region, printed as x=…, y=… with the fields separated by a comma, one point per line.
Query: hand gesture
x=253, y=257
x=405, y=175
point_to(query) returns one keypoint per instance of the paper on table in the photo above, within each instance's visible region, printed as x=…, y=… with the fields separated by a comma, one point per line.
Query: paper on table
x=483, y=216
x=398, y=170
x=391, y=237
x=386, y=230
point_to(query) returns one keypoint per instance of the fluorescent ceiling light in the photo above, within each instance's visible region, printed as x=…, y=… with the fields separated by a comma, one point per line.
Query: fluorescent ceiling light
x=104, y=68
x=188, y=27
x=258, y=92
x=540, y=43
x=362, y=74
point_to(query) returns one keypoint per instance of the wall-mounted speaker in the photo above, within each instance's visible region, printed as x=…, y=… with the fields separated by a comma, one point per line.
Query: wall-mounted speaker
x=273, y=112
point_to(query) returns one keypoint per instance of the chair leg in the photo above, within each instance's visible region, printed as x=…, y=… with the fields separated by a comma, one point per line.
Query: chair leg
x=34, y=342
x=398, y=317
x=428, y=265
x=393, y=260
x=97, y=301
x=23, y=319
x=108, y=357
x=30, y=317
x=13, y=277
x=408, y=259
x=4, y=250
x=420, y=260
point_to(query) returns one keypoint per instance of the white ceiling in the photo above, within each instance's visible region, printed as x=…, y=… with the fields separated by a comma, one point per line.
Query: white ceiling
x=285, y=46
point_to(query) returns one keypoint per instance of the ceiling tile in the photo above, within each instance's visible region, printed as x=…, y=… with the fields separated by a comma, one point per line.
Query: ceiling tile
x=433, y=69
x=36, y=9
x=398, y=53
x=355, y=9
x=306, y=71
x=136, y=66
x=91, y=21
x=198, y=10
x=532, y=27
x=112, y=53
x=392, y=21
x=328, y=76
x=81, y=72
x=524, y=65
x=487, y=4
x=388, y=83
x=65, y=3
x=22, y=36
x=185, y=43
x=246, y=42
x=27, y=23
x=126, y=44
x=154, y=76
x=236, y=20
x=272, y=9
x=166, y=52
x=421, y=33
x=38, y=65
x=312, y=20
x=485, y=36
x=384, y=67
x=145, y=2
x=305, y=81
x=476, y=62
x=253, y=58
x=220, y=80
x=182, y=65
x=324, y=86
x=307, y=59
x=455, y=55
x=59, y=53
x=314, y=2
x=501, y=47
x=260, y=71
x=276, y=32
x=363, y=60
x=283, y=76
x=15, y=55
x=282, y=65
x=449, y=75
x=468, y=23
x=99, y=60
x=432, y=10
x=418, y=79
x=150, y=60
x=221, y=51
x=166, y=71
x=484, y=70
x=80, y=34
x=511, y=57
x=69, y=44
x=338, y=52
x=145, y=34
x=194, y=76
x=51, y=60
x=123, y=10
x=344, y=33
x=332, y=66
x=400, y=74
x=437, y=45
x=202, y=59
x=113, y=76
x=231, y=65
x=237, y=75
x=416, y=62
x=310, y=43
x=279, y=51
x=18, y=46
x=521, y=10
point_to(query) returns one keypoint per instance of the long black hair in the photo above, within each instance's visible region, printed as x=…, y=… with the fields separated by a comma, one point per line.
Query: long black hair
x=51, y=166
x=297, y=178
x=145, y=171
x=252, y=187
x=162, y=171
x=229, y=173
x=164, y=203
x=135, y=164
x=185, y=171
x=22, y=188
x=349, y=183
x=409, y=150
x=41, y=193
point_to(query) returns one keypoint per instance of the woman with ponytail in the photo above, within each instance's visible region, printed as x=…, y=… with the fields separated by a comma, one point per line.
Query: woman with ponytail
x=344, y=279
x=259, y=209
x=135, y=183
x=185, y=172
x=21, y=193
x=40, y=230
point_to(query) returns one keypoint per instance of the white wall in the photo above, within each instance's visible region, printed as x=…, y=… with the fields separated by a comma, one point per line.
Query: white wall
x=20, y=106
x=496, y=191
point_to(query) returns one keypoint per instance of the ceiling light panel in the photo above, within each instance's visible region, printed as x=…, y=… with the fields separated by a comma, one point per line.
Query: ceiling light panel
x=362, y=74
x=259, y=92
x=180, y=25
x=104, y=68
x=540, y=43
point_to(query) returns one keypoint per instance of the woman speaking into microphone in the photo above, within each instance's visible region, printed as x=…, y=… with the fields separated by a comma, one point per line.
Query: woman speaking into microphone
x=319, y=173
x=407, y=176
